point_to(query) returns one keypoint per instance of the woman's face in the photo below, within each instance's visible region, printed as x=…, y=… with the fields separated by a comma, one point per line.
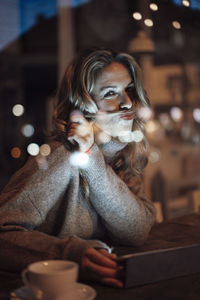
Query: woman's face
x=112, y=94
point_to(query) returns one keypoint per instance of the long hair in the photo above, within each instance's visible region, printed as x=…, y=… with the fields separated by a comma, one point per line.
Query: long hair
x=76, y=90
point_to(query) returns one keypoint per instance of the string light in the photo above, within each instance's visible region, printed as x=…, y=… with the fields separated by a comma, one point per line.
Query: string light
x=125, y=137
x=15, y=152
x=153, y=6
x=137, y=16
x=148, y=22
x=176, y=114
x=45, y=150
x=138, y=136
x=145, y=113
x=42, y=162
x=186, y=3
x=176, y=25
x=131, y=136
x=196, y=115
x=27, y=130
x=154, y=156
x=33, y=149
x=152, y=126
x=18, y=110
x=79, y=159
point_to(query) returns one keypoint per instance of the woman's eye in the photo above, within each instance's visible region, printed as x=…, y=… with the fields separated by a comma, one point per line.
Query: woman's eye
x=109, y=94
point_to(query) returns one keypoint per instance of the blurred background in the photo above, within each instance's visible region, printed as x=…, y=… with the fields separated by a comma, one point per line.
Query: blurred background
x=39, y=37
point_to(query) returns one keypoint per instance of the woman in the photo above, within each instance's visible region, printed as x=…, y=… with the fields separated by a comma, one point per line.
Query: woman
x=62, y=211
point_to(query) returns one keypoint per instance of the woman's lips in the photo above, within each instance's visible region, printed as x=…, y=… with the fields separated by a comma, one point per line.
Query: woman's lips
x=127, y=116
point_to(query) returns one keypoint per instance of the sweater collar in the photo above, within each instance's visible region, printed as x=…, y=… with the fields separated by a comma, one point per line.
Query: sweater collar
x=112, y=147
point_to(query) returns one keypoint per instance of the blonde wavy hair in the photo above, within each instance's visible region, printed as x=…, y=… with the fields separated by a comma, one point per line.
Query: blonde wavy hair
x=76, y=90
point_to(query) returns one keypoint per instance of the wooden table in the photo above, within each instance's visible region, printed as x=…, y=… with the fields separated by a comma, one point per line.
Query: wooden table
x=178, y=232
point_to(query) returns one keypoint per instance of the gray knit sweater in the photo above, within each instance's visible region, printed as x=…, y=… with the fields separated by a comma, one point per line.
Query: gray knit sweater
x=44, y=215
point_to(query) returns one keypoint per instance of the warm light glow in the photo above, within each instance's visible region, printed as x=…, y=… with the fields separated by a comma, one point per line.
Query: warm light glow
x=137, y=136
x=196, y=115
x=45, y=150
x=186, y=3
x=152, y=126
x=79, y=159
x=148, y=22
x=153, y=6
x=126, y=136
x=131, y=136
x=145, y=113
x=18, y=110
x=165, y=121
x=27, y=130
x=176, y=114
x=42, y=162
x=15, y=152
x=176, y=25
x=137, y=16
x=196, y=139
x=154, y=156
x=33, y=149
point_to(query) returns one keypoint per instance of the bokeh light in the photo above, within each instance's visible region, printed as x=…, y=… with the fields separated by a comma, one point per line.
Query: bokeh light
x=165, y=120
x=176, y=25
x=18, y=110
x=196, y=139
x=42, y=162
x=15, y=152
x=28, y=130
x=148, y=22
x=186, y=3
x=79, y=159
x=176, y=114
x=153, y=6
x=126, y=136
x=196, y=115
x=131, y=136
x=145, y=113
x=152, y=126
x=45, y=150
x=137, y=136
x=33, y=149
x=137, y=16
x=154, y=156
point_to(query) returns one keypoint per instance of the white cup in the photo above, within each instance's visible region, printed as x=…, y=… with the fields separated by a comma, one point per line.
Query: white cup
x=52, y=279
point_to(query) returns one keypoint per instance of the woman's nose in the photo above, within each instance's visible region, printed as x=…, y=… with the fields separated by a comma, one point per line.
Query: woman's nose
x=125, y=101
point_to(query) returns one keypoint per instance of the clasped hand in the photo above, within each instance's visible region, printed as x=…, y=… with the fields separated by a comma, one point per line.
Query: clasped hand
x=80, y=131
x=101, y=266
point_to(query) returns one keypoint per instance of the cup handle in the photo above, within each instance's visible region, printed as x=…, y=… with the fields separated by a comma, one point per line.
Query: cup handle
x=25, y=277
x=38, y=293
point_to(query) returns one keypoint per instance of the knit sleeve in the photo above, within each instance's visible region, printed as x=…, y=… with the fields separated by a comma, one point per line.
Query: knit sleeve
x=125, y=211
x=24, y=205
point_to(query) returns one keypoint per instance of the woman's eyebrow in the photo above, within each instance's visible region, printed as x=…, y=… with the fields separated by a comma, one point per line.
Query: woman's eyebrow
x=108, y=87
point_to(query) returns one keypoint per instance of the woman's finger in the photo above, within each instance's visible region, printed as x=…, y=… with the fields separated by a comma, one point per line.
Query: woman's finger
x=106, y=253
x=100, y=258
x=112, y=282
x=101, y=271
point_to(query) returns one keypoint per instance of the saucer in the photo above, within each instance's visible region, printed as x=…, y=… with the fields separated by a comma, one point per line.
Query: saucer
x=82, y=292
